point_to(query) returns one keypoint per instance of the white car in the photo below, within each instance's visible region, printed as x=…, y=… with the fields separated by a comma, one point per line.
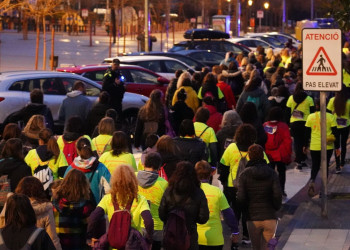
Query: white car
x=16, y=86
x=281, y=37
x=253, y=43
x=162, y=65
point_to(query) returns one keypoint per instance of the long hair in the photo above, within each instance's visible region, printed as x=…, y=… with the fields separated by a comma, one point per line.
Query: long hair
x=340, y=100
x=19, y=212
x=166, y=145
x=120, y=143
x=84, y=148
x=11, y=130
x=209, y=85
x=183, y=76
x=184, y=180
x=153, y=109
x=33, y=188
x=106, y=126
x=35, y=124
x=124, y=185
x=74, y=187
x=13, y=148
x=46, y=136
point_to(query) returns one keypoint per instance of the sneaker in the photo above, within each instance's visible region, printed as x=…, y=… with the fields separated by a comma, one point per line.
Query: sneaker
x=299, y=167
x=337, y=170
x=246, y=240
x=311, y=190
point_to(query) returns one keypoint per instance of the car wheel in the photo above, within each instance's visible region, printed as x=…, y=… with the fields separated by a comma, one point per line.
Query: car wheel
x=129, y=123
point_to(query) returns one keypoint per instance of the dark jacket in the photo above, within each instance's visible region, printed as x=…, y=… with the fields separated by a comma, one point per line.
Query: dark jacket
x=195, y=208
x=259, y=191
x=169, y=161
x=15, y=239
x=24, y=114
x=181, y=112
x=259, y=98
x=15, y=169
x=116, y=91
x=170, y=91
x=191, y=149
x=95, y=115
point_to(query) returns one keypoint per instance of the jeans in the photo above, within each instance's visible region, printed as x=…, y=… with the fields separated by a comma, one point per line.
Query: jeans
x=344, y=134
x=316, y=162
x=298, y=132
x=281, y=168
x=261, y=232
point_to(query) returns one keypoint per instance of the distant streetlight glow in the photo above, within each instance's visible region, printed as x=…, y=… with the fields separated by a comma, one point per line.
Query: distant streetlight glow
x=266, y=5
x=250, y=2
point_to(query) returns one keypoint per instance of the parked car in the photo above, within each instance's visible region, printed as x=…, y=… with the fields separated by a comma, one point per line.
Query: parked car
x=162, y=65
x=213, y=40
x=207, y=57
x=271, y=39
x=283, y=38
x=136, y=79
x=196, y=65
x=253, y=43
x=15, y=91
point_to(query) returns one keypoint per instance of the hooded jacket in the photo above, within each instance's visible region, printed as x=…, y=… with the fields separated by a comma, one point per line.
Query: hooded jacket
x=75, y=104
x=259, y=191
x=215, y=117
x=191, y=149
x=97, y=174
x=46, y=220
x=15, y=169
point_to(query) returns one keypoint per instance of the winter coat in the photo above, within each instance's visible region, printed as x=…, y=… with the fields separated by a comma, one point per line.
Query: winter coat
x=227, y=91
x=169, y=161
x=116, y=91
x=259, y=98
x=215, y=118
x=71, y=222
x=181, y=112
x=195, y=208
x=75, y=104
x=97, y=112
x=15, y=239
x=28, y=111
x=170, y=92
x=191, y=149
x=15, y=169
x=45, y=219
x=259, y=192
x=278, y=146
x=97, y=174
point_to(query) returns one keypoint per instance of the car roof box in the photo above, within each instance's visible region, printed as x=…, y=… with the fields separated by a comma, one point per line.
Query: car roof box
x=205, y=34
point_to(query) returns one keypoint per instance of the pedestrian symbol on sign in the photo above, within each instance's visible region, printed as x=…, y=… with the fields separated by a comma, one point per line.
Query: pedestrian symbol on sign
x=321, y=65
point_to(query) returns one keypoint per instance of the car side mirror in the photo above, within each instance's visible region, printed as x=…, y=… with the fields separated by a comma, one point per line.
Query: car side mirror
x=162, y=80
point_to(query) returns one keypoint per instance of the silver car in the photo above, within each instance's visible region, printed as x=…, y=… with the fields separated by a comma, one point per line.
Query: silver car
x=15, y=88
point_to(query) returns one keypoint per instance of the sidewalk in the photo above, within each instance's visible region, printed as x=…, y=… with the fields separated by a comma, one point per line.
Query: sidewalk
x=305, y=228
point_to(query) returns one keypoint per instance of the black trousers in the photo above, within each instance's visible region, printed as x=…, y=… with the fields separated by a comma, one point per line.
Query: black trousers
x=231, y=194
x=316, y=162
x=281, y=168
x=344, y=134
x=297, y=130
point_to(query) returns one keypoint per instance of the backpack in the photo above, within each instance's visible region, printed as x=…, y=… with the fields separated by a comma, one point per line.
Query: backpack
x=271, y=132
x=5, y=189
x=241, y=166
x=136, y=241
x=29, y=243
x=176, y=235
x=161, y=172
x=43, y=173
x=69, y=150
x=119, y=226
x=255, y=100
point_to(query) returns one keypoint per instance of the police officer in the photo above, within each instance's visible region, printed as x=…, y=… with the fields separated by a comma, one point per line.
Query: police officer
x=113, y=83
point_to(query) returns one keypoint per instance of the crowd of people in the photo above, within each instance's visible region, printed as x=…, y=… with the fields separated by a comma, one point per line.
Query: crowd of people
x=240, y=120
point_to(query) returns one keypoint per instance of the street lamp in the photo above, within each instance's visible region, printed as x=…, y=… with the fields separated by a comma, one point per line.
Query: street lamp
x=266, y=6
x=250, y=2
x=229, y=7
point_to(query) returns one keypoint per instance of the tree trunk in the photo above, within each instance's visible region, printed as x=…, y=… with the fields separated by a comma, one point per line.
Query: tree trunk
x=37, y=43
x=113, y=30
x=44, y=44
x=25, y=27
x=52, y=46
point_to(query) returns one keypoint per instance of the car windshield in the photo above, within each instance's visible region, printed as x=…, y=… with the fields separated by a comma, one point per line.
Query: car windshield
x=272, y=41
x=177, y=48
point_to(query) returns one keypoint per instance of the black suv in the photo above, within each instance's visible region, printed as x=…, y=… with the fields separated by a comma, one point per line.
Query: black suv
x=213, y=40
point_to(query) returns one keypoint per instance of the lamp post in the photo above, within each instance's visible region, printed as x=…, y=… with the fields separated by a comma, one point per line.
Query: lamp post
x=250, y=3
x=283, y=14
x=266, y=6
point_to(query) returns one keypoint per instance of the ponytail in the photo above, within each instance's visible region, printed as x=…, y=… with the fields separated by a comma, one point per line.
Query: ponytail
x=84, y=148
x=53, y=147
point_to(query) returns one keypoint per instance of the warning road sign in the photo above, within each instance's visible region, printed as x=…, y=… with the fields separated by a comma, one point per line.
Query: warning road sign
x=322, y=65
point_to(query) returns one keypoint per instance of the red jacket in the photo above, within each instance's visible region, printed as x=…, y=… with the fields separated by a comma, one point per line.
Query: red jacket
x=227, y=91
x=278, y=146
x=215, y=118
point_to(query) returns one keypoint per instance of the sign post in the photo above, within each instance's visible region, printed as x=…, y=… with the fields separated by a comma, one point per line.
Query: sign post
x=322, y=71
x=260, y=15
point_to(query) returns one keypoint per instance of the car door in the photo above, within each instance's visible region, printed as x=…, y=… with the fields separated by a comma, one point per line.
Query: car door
x=143, y=83
x=171, y=67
